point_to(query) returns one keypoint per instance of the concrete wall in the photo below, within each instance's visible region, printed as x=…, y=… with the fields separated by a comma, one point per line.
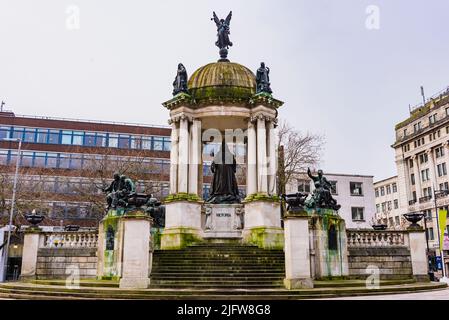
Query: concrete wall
x=60, y=263
x=393, y=263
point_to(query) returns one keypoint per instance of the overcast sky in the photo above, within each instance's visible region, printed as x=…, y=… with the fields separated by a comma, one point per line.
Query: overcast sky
x=337, y=77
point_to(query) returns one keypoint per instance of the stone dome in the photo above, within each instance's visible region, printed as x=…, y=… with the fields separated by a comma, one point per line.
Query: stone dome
x=222, y=80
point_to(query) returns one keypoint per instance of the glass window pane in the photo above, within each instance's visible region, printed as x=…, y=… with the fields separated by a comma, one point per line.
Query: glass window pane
x=78, y=138
x=113, y=141
x=26, y=159
x=75, y=161
x=123, y=142
x=39, y=159
x=89, y=139
x=64, y=161
x=18, y=133
x=53, y=137
x=3, y=157
x=136, y=142
x=4, y=132
x=146, y=143
x=101, y=140
x=42, y=135
x=66, y=137
x=157, y=143
x=30, y=135
x=52, y=160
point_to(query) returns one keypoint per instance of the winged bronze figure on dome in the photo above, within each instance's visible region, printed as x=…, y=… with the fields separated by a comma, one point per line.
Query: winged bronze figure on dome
x=223, y=31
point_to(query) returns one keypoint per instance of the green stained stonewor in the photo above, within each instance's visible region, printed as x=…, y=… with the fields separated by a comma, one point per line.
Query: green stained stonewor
x=261, y=197
x=263, y=238
x=110, y=268
x=182, y=196
x=178, y=238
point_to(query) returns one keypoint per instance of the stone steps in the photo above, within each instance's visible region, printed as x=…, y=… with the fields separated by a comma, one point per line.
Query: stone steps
x=348, y=288
x=218, y=265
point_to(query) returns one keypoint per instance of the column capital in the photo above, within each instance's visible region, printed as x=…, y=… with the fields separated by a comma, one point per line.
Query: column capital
x=180, y=117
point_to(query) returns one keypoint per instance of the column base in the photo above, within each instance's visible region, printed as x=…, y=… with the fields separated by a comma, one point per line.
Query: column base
x=264, y=237
x=27, y=278
x=179, y=238
x=298, y=283
x=134, y=283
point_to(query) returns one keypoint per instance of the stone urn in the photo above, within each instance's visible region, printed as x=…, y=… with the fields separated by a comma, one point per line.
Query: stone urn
x=414, y=218
x=34, y=218
x=379, y=227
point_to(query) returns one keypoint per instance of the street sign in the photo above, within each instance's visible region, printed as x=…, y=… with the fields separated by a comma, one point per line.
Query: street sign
x=439, y=263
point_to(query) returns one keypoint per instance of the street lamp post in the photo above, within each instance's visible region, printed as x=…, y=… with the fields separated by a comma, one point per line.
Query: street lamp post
x=435, y=192
x=13, y=200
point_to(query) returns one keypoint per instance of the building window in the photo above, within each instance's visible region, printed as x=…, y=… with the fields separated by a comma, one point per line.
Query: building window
x=412, y=179
x=424, y=175
x=439, y=152
x=376, y=191
x=66, y=137
x=113, y=141
x=410, y=163
x=384, y=206
x=414, y=195
x=388, y=188
x=377, y=208
x=382, y=191
x=441, y=168
x=397, y=220
x=357, y=214
x=427, y=192
x=123, y=142
x=389, y=205
x=53, y=137
x=395, y=188
x=417, y=126
x=430, y=234
x=432, y=119
x=423, y=158
x=396, y=203
x=444, y=186
x=304, y=186
x=356, y=188
x=405, y=132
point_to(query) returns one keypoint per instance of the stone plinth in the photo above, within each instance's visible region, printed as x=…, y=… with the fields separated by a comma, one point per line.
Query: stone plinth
x=110, y=236
x=297, y=251
x=182, y=224
x=29, y=255
x=262, y=225
x=328, y=244
x=124, y=249
x=223, y=221
x=417, y=242
x=136, y=251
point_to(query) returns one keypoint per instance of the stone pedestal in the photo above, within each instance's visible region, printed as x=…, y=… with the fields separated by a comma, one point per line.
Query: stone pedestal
x=223, y=221
x=417, y=242
x=182, y=224
x=262, y=225
x=124, y=251
x=110, y=235
x=136, y=251
x=328, y=244
x=29, y=255
x=297, y=253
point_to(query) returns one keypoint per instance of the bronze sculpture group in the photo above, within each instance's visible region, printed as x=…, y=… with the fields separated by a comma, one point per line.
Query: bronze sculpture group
x=121, y=193
x=321, y=196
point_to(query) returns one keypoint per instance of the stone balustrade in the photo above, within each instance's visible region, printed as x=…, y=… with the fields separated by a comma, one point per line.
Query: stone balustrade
x=69, y=239
x=377, y=238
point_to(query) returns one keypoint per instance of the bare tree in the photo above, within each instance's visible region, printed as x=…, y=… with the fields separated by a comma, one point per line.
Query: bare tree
x=297, y=152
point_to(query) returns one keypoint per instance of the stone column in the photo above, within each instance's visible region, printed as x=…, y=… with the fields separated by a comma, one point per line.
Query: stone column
x=195, y=156
x=297, y=251
x=136, y=251
x=417, y=177
x=174, y=158
x=433, y=175
x=29, y=255
x=271, y=158
x=417, y=242
x=262, y=183
x=251, y=175
x=183, y=166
